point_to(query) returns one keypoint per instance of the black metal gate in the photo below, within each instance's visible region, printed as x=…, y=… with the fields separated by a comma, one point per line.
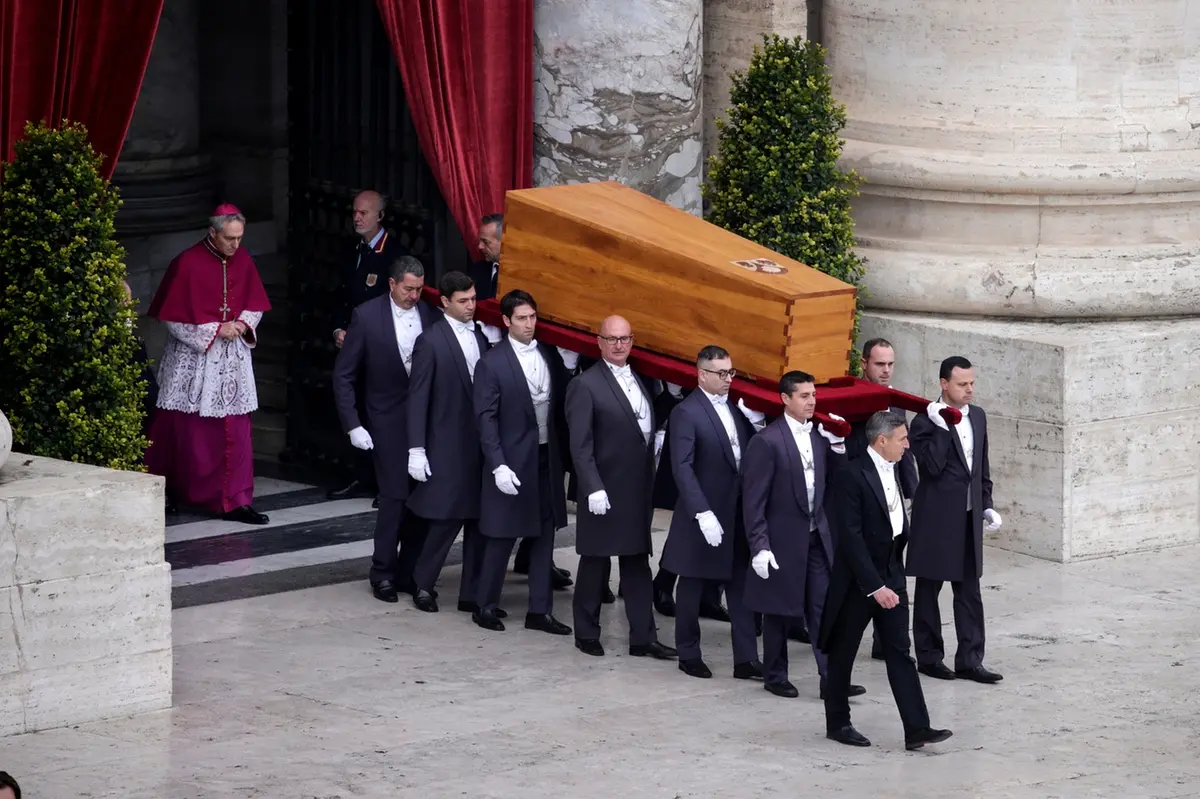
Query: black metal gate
x=350, y=130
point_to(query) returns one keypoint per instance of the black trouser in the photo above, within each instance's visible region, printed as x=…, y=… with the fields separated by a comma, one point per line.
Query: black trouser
x=496, y=552
x=438, y=542
x=364, y=470
x=968, y=615
x=636, y=584
x=688, y=596
x=399, y=538
x=847, y=631
x=665, y=579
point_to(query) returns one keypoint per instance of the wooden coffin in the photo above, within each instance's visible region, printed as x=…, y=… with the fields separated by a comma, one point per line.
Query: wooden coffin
x=590, y=250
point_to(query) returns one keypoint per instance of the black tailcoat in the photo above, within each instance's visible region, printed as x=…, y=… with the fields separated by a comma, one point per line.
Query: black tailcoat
x=707, y=478
x=937, y=549
x=508, y=434
x=372, y=354
x=441, y=418
x=863, y=530
x=856, y=446
x=778, y=518
x=610, y=454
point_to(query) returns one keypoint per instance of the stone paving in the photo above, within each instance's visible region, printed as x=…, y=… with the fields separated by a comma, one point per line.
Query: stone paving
x=328, y=693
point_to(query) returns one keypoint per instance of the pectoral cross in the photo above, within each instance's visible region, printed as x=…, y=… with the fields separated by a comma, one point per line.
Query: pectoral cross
x=224, y=309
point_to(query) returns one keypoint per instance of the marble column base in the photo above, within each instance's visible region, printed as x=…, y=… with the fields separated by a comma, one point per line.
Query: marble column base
x=1094, y=427
x=161, y=195
x=85, y=595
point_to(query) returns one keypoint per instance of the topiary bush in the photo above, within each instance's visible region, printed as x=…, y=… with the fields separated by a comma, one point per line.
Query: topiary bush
x=775, y=179
x=70, y=385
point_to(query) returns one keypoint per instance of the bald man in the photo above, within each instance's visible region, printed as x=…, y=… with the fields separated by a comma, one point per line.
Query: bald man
x=610, y=418
x=365, y=278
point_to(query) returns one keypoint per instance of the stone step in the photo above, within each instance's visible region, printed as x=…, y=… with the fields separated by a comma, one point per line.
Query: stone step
x=269, y=434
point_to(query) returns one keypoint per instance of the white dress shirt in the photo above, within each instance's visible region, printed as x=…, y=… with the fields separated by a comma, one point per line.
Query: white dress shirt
x=637, y=398
x=408, y=327
x=721, y=404
x=537, y=379
x=891, y=491
x=372, y=244
x=801, y=435
x=464, y=333
x=966, y=436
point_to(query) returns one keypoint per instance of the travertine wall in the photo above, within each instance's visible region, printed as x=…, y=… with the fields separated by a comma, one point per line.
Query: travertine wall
x=731, y=30
x=1046, y=171
x=618, y=95
x=85, y=595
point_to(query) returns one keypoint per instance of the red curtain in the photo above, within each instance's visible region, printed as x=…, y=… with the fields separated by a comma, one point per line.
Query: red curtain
x=81, y=60
x=468, y=75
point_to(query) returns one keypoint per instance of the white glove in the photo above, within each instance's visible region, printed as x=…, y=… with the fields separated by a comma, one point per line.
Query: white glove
x=360, y=438
x=933, y=411
x=993, y=520
x=761, y=561
x=418, y=464
x=674, y=390
x=492, y=334
x=506, y=480
x=570, y=359
x=757, y=418
x=836, y=441
x=710, y=527
x=598, y=503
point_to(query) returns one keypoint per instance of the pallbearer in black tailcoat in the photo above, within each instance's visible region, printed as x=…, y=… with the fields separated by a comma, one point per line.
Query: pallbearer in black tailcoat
x=785, y=476
x=610, y=416
x=953, y=501
x=377, y=356
x=518, y=385
x=443, y=437
x=706, y=544
x=867, y=583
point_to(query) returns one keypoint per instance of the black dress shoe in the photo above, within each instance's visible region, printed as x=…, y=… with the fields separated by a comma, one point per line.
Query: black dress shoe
x=927, y=736
x=544, y=622
x=385, y=591
x=748, y=671
x=714, y=612
x=695, y=668
x=471, y=607
x=488, y=620
x=425, y=601
x=784, y=689
x=564, y=572
x=559, y=581
x=355, y=489
x=664, y=603
x=937, y=671
x=978, y=674
x=590, y=646
x=246, y=515
x=875, y=655
x=607, y=597
x=375, y=503
x=656, y=650
x=849, y=736
x=853, y=690
x=799, y=633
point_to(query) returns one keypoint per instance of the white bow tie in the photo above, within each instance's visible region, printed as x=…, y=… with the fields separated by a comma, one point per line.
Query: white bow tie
x=523, y=349
x=720, y=400
x=622, y=371
x=805, y=428
x=460, y=327
x=400, y=312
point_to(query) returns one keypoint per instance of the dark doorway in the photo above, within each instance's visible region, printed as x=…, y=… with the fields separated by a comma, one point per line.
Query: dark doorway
x=350, y=130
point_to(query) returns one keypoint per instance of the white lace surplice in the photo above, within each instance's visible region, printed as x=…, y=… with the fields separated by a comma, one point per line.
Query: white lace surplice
x=203, y=374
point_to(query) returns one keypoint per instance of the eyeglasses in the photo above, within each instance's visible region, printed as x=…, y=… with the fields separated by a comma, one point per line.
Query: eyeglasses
x=616, y=339
x=724, y=374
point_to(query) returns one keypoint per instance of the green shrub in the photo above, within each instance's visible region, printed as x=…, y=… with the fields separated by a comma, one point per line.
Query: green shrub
x=775, y=179
x=68, y=380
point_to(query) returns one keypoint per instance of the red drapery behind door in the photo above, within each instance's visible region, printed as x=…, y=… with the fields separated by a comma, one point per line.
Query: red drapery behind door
x=467, y=68
x=81, y=60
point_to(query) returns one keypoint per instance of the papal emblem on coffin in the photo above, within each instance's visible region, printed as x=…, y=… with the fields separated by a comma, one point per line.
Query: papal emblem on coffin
x=590, y=250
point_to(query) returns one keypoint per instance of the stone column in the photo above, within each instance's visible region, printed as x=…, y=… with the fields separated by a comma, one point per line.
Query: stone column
x=618, y=95
x=1032, y=201
x=731, y=30
x=166, y=181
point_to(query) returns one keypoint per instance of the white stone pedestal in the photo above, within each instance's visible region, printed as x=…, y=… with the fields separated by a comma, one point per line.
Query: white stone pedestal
x=1094, y=428
x=85, y=595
